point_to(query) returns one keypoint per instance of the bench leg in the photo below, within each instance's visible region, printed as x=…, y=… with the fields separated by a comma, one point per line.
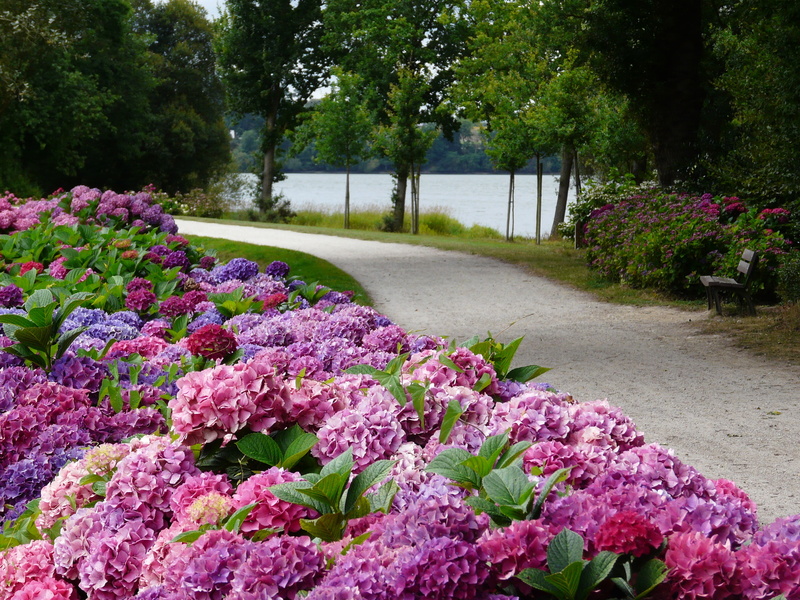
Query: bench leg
x=715, y=294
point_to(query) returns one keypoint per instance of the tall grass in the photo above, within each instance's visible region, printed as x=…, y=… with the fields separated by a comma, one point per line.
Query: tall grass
x=434, y=220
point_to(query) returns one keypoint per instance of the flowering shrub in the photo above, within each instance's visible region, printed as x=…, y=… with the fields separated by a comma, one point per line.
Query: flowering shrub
x=667, y=241
x=319, y=425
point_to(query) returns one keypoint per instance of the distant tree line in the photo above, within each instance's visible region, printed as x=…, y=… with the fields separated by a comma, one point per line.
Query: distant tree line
x=109, y=93
x=465, y=152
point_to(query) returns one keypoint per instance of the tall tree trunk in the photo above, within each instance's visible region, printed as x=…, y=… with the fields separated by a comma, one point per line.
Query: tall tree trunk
x=538, y=199
x=270, y=144
x=347, y=198
x=567, y=156
x=510, y=215
x=400, y=198
x=577, y=167
x=415, y=177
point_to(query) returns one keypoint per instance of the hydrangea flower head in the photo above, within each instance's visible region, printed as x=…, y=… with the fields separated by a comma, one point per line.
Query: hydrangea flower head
x=270, y=511
x=628, y=532
x=212, y=341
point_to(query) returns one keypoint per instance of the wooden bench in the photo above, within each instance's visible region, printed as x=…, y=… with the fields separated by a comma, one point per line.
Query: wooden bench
x=719, y=285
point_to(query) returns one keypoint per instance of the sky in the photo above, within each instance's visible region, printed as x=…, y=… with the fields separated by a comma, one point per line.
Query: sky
x=211, y=7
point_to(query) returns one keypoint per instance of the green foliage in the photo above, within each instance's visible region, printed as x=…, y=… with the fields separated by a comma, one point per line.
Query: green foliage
x=501, y=356
x=328, y=493
x=37, y=335
x=667, y=241
x=570, y=577
x=789, y=277
x=504, y=491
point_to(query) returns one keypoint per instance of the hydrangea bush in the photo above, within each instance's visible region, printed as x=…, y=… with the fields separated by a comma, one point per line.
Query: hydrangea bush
x=648, y=238
x=231, y=433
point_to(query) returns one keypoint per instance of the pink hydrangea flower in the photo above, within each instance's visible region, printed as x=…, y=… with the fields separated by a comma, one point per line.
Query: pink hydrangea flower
x=521, y=545
x=270, y=512
x=769, y=570
x=46, y=588
x=700, y=568
x=22, y=564
x=196, y=487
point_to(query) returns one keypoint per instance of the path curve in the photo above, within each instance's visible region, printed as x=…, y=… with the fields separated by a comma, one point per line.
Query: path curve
x=726, y=412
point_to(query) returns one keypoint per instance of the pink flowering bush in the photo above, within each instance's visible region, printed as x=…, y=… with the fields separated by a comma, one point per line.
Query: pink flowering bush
x=314, y=428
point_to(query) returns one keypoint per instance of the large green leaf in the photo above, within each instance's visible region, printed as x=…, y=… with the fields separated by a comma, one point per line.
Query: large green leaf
x=374, y=473
x=66, y=339
x=234, y=522
x=448, y=464
x=511, y=455
x=596, y=572
x=555, y=477
x=650, y=575
x=381, y=501
x=42, y=316
x=17, y=320
x=504, y=357
x=290, y=493
x=567, y=580
x=342, y=464
x=565, y=549
x=525, y=374
x=260, y=447
x=508, y=486
x=536, y=578
x=40, y=297
x=493, y=447
x=329, y=489
x=479, y=464
x=298, y=449
x=328, y=528
x=36, y=338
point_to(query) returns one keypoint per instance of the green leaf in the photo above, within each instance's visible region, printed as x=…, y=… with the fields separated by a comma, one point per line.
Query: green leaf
x=36, y=338
x=374, y=473
x=504, y=357
x=66, y=339
x=596, y=572
x=99, y=487
x=328, y=528
x=42, y=316
x=342, y=464
x=509, y=486
x=567, y=580
x=290, y=493
x=381, y=501
x=479, y=464
x=417, y=393
x=555, y=477
x=489, y=507
x=524, y=374
x=395, y=366
x=493, y=447
x=537, y=579
x=187, y=537
x=298, y=449
x=362, y=370
x=260, y=447
x=482, y=383
x=448, y=464
x=650, y=575
x=17, y=320
x=234, y=522
x=451, y=416
x=329, y=489
x=40, y=297
x=565, y=549
x=512, y=454
x=448, y=362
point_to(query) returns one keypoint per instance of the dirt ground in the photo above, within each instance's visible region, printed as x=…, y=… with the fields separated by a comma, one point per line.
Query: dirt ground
x=726, y=412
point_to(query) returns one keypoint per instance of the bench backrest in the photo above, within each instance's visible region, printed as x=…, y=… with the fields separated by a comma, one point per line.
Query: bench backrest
x=747, y=264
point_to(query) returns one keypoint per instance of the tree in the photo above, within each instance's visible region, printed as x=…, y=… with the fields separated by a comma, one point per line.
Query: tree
x=271, y=63
x=760, y=47
x=656, y=52
x=339, y=127
x=189, y=145
x=385, y=41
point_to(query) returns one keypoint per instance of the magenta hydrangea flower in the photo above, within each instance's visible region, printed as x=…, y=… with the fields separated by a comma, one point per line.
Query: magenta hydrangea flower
x=205, y=570
x=174, y=306
x=10, y=296
x=278, y=569
x=586, y=461
x=521, y=545
x=533, y=416
x=700, y=568
x=270, y=511
x=140, y=300
x=46, y=588
x=195, y=487
x=768, y=570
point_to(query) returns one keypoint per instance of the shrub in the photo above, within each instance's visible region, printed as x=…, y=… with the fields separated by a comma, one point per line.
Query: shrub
x=667, y=241
x=789, y=277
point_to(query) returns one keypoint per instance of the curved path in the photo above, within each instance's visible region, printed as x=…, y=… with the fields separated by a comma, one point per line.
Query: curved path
x=723, y=410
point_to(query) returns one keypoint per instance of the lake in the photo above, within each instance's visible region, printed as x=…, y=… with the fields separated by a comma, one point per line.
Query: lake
x=471, y=199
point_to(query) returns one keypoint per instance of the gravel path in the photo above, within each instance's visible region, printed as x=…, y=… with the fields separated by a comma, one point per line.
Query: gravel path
x=726, y=412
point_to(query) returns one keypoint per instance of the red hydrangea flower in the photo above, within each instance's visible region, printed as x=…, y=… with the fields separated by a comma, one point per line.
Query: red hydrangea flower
x=175, y=306
x=31, y=265
x=130, y=254
x=212, y=341
x=628, y=532
x=274, y=300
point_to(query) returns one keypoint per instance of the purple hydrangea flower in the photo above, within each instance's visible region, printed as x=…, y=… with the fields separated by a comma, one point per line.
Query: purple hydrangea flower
x=277, y=269
x=10, y=296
